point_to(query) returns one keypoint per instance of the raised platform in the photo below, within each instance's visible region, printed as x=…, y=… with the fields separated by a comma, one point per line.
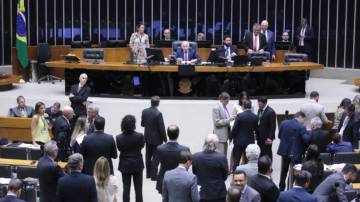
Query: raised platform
x=6, y=81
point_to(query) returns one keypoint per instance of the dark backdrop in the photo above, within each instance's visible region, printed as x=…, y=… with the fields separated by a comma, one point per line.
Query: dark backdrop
x=58, y=22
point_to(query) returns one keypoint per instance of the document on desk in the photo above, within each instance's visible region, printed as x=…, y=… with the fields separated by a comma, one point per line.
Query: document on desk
x=29, y=146
x=4, y=181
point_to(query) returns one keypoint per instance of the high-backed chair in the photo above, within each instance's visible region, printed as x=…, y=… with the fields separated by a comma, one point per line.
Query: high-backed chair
x=347, y=157
x=5, y=171
x=43, y=56
x=326, y=158
x=25, y=172
x=177, y=44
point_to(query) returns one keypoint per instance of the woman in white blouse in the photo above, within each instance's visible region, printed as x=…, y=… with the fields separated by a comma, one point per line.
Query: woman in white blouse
x=106, y=187
x=139, y=41
x=238, y=107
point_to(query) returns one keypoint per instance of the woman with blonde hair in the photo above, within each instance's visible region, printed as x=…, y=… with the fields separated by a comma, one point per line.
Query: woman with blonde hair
x=105, y=183
x=39, y=126
x=78, y=134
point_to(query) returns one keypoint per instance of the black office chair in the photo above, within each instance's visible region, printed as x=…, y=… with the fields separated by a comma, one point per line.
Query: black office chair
x=13, y=153
x=43, y=56
x=326, y=158
x=25, y=172
x=5, y=171
x=35, y=154
x=347, y=157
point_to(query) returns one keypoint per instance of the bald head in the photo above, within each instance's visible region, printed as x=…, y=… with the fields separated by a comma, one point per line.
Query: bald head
x=264, y=25
x=68, y=112
x=83, y=79
x=185, y=45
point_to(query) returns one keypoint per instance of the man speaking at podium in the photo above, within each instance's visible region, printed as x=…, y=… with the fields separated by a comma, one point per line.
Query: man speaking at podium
x=255, y=41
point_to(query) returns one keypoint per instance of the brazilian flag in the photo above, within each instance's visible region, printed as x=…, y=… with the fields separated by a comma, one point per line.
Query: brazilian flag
x=21, y=40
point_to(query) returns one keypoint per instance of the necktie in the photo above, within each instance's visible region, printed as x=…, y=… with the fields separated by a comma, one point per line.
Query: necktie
x=226, y=112
x=260, y=113
x=255, y=43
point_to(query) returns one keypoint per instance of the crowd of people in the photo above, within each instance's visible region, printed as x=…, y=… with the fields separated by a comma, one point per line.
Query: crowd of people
x=76, y=135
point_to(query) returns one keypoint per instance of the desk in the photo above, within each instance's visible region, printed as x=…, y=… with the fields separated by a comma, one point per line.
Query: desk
x=116, y=79
x=29, y=163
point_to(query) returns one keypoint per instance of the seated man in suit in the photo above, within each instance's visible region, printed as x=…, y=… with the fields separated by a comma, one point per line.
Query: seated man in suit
x=285, y=37
x=333, y=187
x=76, y=186
x=248, y=194
x=254, y=41
x=298, y=193
x=188, y=191
x=338, y=145
x=14, y=191
x=320, y=138
x=53, y=112
x=79, y=94
x=186, y=54
x=227, y=50
x=49, y=172
x=168, y=154
x=21, y=110
x=262, y=182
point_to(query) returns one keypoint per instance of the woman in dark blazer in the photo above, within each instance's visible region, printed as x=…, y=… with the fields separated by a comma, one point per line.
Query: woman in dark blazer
x=314, y=165
x=131, y=164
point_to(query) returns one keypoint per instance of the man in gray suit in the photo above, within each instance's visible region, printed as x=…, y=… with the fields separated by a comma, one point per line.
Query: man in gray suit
x=179, y=185
x=248, y=194
x=21, y=110
x=313, y=109
x=252, y=152
x=222, y=118
x=332, y=189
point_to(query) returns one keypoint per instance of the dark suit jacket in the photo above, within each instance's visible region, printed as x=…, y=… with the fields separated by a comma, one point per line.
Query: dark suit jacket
x=129, y=146
x=76, y=187
x=49, y=173
x=191, y=55
x=168, y=155
x=245, y=126
x=266, y=187
x=211, y=170
x=267, y=126
x=340, y=147
x=293, y=139
x=9, y=198
x=94, y=146
x=296, y=195
x=16, y=112
x=79, y=98
x=320, y=138
x=351, y=131
x=328, y=192
x=152, y=121
x=221, y=51
x=308, y=40
x=248, y=41
x=270, y=43
x=62, y=130
x=52, y=117
x=316, y=168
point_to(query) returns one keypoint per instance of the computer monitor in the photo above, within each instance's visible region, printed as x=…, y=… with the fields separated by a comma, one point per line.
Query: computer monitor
x=280, y=45
x=76, y=44
x=240, y=60
x=257, y=58
x=154, y=55
x=214, y=58
x=163, y=43
x=204, y=44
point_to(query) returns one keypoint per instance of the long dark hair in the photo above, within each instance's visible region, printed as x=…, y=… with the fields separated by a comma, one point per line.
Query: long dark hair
x=38, y=106
x=241, y=96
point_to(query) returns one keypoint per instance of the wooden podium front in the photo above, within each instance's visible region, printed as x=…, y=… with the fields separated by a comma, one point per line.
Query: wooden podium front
x=16, y=129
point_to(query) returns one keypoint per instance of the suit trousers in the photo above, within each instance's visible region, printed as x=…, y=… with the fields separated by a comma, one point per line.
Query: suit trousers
x=151, y=162
x=285, y=163
x=266, y=149
x=238, y=151
x=223, y=147
x=137, y=178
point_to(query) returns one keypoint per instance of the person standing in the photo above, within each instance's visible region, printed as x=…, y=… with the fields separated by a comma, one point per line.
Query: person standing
x=221, y=120
x=270, y=39
x=139, y=41
x=78, y=134
x=211, y=170
x=312, y=109
x=22, y=110
x=78, y=96
x=267, y=126
x=105, y=183
x=131, y=164
x=255, y=41
x=293, y=140
x=155, y=135
x=14, y=191
x=179, y=185
x=168, y=154
x=96, y=145
x=243, y=132
x=248, y=194
x=49, y=172
x=305, y=35
x=53, y=112
x=39, y=126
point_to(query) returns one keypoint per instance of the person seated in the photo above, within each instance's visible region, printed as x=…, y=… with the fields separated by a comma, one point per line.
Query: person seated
x=254, y=41
x=320, y=138
x=21, y=110
x=200, y=37
x=14, y=191
x=227, y=50
x=338, y=145
x=167, y=35
x=285, y=37
x=53, y=112
x=186, y=54
x=252, y=154
x=313, y=164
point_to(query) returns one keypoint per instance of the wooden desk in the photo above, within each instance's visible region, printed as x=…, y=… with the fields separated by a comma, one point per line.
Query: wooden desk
x=28, y=163
x=357, y=82
x=18, y=129
x=356, y=185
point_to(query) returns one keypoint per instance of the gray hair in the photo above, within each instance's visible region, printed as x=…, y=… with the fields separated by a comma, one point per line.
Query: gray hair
x=93, y=107
x=51, y=148
x=75, y=162
x=211, y=143
x=316, y=122
x=252, y=152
